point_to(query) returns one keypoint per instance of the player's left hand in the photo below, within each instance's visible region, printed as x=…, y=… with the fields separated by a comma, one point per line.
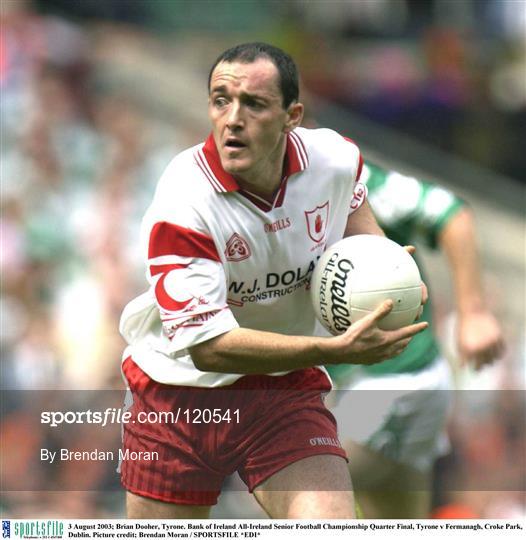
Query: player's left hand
x=480, y=339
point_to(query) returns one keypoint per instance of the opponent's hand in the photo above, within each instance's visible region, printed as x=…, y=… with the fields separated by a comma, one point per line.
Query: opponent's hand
x=480, y=339
x=365, y=343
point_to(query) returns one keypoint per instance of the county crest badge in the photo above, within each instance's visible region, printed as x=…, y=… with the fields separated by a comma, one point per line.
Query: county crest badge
x=317, y=220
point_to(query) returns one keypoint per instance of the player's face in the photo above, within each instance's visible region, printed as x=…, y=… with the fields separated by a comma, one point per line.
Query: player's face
x=249, y=121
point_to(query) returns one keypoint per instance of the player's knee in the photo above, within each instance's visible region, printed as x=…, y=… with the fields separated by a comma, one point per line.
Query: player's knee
x=327, y=505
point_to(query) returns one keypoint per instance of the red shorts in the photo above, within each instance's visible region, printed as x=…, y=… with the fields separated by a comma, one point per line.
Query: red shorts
x=255, y=426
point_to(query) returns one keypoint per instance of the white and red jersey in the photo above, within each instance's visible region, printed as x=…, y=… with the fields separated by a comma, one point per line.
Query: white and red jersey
x=220, y=258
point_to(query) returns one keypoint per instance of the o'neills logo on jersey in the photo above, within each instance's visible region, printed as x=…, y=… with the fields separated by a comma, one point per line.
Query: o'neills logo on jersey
x=317, y=220
x=237, y=249
x=278, y=225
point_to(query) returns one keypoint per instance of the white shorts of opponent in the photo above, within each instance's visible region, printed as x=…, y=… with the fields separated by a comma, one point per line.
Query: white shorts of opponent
x=401, y=416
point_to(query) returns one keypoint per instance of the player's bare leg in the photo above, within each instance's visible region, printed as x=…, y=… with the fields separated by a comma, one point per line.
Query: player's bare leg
x=143, y=508
x=311, y=497
x=385, y=489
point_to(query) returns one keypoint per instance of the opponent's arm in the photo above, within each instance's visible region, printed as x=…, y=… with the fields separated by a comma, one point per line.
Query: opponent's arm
x=479, y=334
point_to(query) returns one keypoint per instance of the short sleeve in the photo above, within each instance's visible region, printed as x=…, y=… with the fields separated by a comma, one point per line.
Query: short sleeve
x=189, y=284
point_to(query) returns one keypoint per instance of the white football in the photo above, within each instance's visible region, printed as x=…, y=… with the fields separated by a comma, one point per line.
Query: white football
x=355, y=275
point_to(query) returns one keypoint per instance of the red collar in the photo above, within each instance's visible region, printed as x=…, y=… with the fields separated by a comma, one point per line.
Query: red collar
x=208, y=159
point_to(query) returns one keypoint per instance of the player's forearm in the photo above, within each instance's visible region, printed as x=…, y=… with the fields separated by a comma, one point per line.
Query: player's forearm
x=249, y=351
x=458, y=241
x=245, y=351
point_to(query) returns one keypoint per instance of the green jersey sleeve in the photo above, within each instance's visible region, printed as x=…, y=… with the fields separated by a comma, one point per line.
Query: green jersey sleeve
x=408, y=209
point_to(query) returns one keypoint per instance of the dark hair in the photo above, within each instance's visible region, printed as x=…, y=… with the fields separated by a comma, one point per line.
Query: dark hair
x=247, y=53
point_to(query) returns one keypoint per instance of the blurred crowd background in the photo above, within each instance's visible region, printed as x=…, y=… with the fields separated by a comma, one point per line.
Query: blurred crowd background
x=98, y=95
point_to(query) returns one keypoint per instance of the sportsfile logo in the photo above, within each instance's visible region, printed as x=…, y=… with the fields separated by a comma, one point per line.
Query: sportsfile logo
x=6, y=529
x=36, y=529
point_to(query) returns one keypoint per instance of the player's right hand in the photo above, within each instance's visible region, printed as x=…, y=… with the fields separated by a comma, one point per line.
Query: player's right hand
x=365, y=343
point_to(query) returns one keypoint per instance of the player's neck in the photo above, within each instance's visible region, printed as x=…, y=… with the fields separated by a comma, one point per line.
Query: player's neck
x=266, y=179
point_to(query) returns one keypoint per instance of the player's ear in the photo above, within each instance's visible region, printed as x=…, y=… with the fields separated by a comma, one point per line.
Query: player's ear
x=294, y=116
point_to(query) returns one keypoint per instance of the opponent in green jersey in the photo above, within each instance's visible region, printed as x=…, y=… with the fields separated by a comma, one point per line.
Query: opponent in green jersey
x=393, y=437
